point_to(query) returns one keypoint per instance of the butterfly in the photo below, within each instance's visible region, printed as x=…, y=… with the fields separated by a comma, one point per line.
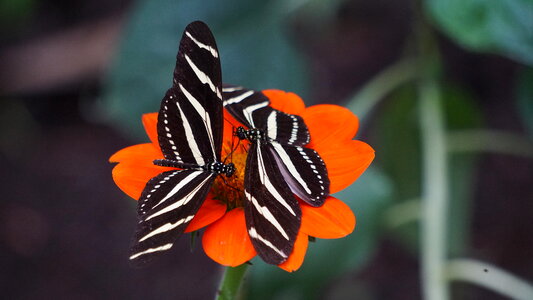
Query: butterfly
x=189, y=129
x=278, y=167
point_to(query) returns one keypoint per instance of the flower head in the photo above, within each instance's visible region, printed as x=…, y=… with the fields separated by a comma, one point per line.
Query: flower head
x=225, y=238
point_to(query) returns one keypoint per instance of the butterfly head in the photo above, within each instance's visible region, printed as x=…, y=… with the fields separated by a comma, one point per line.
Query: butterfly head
x=240, y=132
x=251, y=135
x=230, y=169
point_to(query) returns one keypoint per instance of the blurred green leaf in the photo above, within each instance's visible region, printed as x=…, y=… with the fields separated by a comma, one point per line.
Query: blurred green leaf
x=524, y=98
x=327, y=259
x=502, y=27
x=398, y=141
x=251, y=37
x=15, y=14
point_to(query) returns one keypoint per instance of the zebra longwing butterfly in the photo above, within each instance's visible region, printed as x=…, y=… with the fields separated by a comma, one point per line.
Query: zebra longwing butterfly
x=277, y=167
x=189, y=129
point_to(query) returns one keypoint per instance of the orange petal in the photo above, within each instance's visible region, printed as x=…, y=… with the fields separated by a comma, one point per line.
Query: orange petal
x=132, y=178
x=227, y=242
x=208, y=213
x=146, y=153
x=136, y=167
x=150, y=126
x=286, y=102
x=332, y=220
x=330, y=123
x=297, y=256
x=345, y=161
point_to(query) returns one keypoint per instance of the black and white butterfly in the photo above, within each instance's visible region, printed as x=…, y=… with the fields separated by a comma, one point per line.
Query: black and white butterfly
x=277, y=167
x=189, y=128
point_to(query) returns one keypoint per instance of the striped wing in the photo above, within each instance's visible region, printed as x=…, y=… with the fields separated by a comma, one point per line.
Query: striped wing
x=252, y=109
x=273, y=215
x=167, y=205
x=189, y=124
x=304, y=172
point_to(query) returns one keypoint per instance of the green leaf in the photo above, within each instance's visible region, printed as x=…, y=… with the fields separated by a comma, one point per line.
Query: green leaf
x=524, y=98
x=502, y=27
x=328, y=259
x=251, y=37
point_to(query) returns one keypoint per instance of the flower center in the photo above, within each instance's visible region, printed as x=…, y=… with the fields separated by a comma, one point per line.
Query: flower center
x=230, y=190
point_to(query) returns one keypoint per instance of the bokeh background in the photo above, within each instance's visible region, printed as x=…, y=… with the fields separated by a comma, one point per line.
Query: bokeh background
x=443, y=90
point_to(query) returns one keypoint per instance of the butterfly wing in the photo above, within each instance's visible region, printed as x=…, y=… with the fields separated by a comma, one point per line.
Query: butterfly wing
x=273, y=215
x=305, y=172
x=189, y=129
x=167, y=205
x=302, y=168
x=189, y=124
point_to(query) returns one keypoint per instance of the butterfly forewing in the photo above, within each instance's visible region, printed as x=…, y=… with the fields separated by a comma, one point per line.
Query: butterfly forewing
x=247, y=106
x=190, y=119
x=272, y=212
x=167, y=205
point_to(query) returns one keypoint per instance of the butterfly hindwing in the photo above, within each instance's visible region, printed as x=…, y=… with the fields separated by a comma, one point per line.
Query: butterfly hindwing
x=273, y=215
x=305, y=172
x=167, y=205
x=191, y=110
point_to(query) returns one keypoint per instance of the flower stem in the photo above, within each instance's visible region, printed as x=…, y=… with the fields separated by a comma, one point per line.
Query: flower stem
x=231, y=282
x=490, y=141
x=364, y=100
x=490, y=277
x=434, y=194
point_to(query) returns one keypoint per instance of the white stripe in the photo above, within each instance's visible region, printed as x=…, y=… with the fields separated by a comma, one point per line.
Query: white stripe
x=290, y=166
x=203, y=114
x=181, y=202
x=238, y=98
x=230, y=89
x=272, y=125
x=190, y=138
x=268, y=184
x=203, y=78
x=166, y=227
x=263, y=210
x=180, y=185
x=253, y=234
x=151, y=250
x=247, y=112
x=204, y=46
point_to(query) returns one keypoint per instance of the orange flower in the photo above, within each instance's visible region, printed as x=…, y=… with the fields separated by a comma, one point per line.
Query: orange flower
x=225, y=239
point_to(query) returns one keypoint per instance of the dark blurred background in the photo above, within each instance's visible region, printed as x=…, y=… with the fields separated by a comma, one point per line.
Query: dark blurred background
x=75, y=77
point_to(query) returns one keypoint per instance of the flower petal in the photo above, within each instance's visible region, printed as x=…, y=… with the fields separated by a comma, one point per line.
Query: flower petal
x=332, y=220
x=285, y=101
x=132, y=178
x=136, y=167
x=141, y=152
x=345, y=161
x=150, y=126
x=330, y=123
x=227, y=242
x=296, y=259
x=210, y=211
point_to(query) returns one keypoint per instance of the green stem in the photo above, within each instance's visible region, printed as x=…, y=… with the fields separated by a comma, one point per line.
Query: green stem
x=378, y=87
x=490, y=277
x=490, y=140
x=231, y=282
x=434, y=193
